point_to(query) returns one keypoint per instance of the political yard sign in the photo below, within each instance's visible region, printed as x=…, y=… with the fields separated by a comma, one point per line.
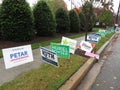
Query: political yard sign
x=93, y=38
x=102, y=30
x=17, y=56
x=93, y=55
x=69, y=42
x=49, y=56
x=62, y=51
x=86, y=46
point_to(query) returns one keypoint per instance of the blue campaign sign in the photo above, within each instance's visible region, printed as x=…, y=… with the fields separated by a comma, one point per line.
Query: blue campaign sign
x=49, y=56
x=93, y=38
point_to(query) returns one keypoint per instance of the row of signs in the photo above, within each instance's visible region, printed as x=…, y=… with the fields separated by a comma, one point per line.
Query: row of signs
x=95, y=37
x=23, y=54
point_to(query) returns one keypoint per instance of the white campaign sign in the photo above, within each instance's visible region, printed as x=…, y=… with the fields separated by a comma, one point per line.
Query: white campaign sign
x=70, y=42
x=17, y=56
x=102, y=30
x=49, y=56
x=86, y=46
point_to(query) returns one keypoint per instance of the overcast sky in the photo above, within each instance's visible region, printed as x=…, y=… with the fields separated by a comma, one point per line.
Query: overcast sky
x=68, y=3
x=77, y=3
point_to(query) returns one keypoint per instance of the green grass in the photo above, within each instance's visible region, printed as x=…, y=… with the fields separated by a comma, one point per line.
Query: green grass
x=96, y=29
x=48, y=77
x=102, y=41
x=0, y=53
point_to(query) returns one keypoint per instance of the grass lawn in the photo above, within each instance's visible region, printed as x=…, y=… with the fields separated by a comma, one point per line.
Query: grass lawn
x=48, y=77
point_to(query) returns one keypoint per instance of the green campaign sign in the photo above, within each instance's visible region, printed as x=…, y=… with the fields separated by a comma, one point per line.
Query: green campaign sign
x=62, y=51
x=102, y=34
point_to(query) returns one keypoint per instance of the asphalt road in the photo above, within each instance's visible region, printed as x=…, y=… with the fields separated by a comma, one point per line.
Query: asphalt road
x=109, y=77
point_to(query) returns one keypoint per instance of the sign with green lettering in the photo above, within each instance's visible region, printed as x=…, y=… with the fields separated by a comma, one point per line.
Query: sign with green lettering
x=62, y=51
x=69, y=42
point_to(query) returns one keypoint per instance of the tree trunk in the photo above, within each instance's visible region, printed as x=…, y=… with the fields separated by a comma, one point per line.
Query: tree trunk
x=86, y=31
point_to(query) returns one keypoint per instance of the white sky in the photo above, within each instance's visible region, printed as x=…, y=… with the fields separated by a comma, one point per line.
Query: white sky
x=68, y=3
x=77, y=3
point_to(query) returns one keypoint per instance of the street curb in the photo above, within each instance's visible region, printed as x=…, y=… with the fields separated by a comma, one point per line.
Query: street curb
x=76, y=78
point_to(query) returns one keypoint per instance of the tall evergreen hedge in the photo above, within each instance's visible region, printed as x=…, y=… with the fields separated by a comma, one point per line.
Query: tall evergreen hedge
x=74, y=21
x=44, y=20
x=16, y=20
x=62, y=20
x=0, y=24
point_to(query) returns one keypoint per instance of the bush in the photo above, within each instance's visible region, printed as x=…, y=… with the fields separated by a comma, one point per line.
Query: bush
x=106, y=18
x=55, y=4
x=0, y=24
x=62, y=20
x=44, y=20
x=74, y=21
x=16, y=20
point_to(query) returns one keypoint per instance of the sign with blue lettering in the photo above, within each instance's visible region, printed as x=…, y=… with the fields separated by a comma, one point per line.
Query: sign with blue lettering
x=17, y=56
x=49, y=56
x=93, y=38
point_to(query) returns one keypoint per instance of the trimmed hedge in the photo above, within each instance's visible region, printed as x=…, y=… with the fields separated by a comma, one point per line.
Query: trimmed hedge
x=44, y=20
x=74, y=21
x=62, y=20
x=16, y=20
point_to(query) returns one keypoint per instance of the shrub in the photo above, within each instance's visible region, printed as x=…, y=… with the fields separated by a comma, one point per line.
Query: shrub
x=55, y=4
x=0, y=24
x=74, y=21
x=62, y=20
x=16, y=20
x=106, y=18
x=44, y=20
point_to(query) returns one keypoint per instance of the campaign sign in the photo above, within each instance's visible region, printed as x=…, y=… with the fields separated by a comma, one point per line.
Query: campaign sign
x=17, y=56
x=49, y=56
x=69, y=42
x=102, y=33
x=93, y=38
x=92, y=55
x=102, y=30
x=62, y=51
x=97, y=35
x=86, y=46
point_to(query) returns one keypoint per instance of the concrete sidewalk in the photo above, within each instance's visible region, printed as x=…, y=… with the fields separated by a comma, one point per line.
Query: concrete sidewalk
x=12, y=73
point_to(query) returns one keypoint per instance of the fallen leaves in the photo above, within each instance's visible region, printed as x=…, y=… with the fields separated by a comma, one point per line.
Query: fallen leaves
x=112, y=88
x=97, y=84
x=114, y=78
